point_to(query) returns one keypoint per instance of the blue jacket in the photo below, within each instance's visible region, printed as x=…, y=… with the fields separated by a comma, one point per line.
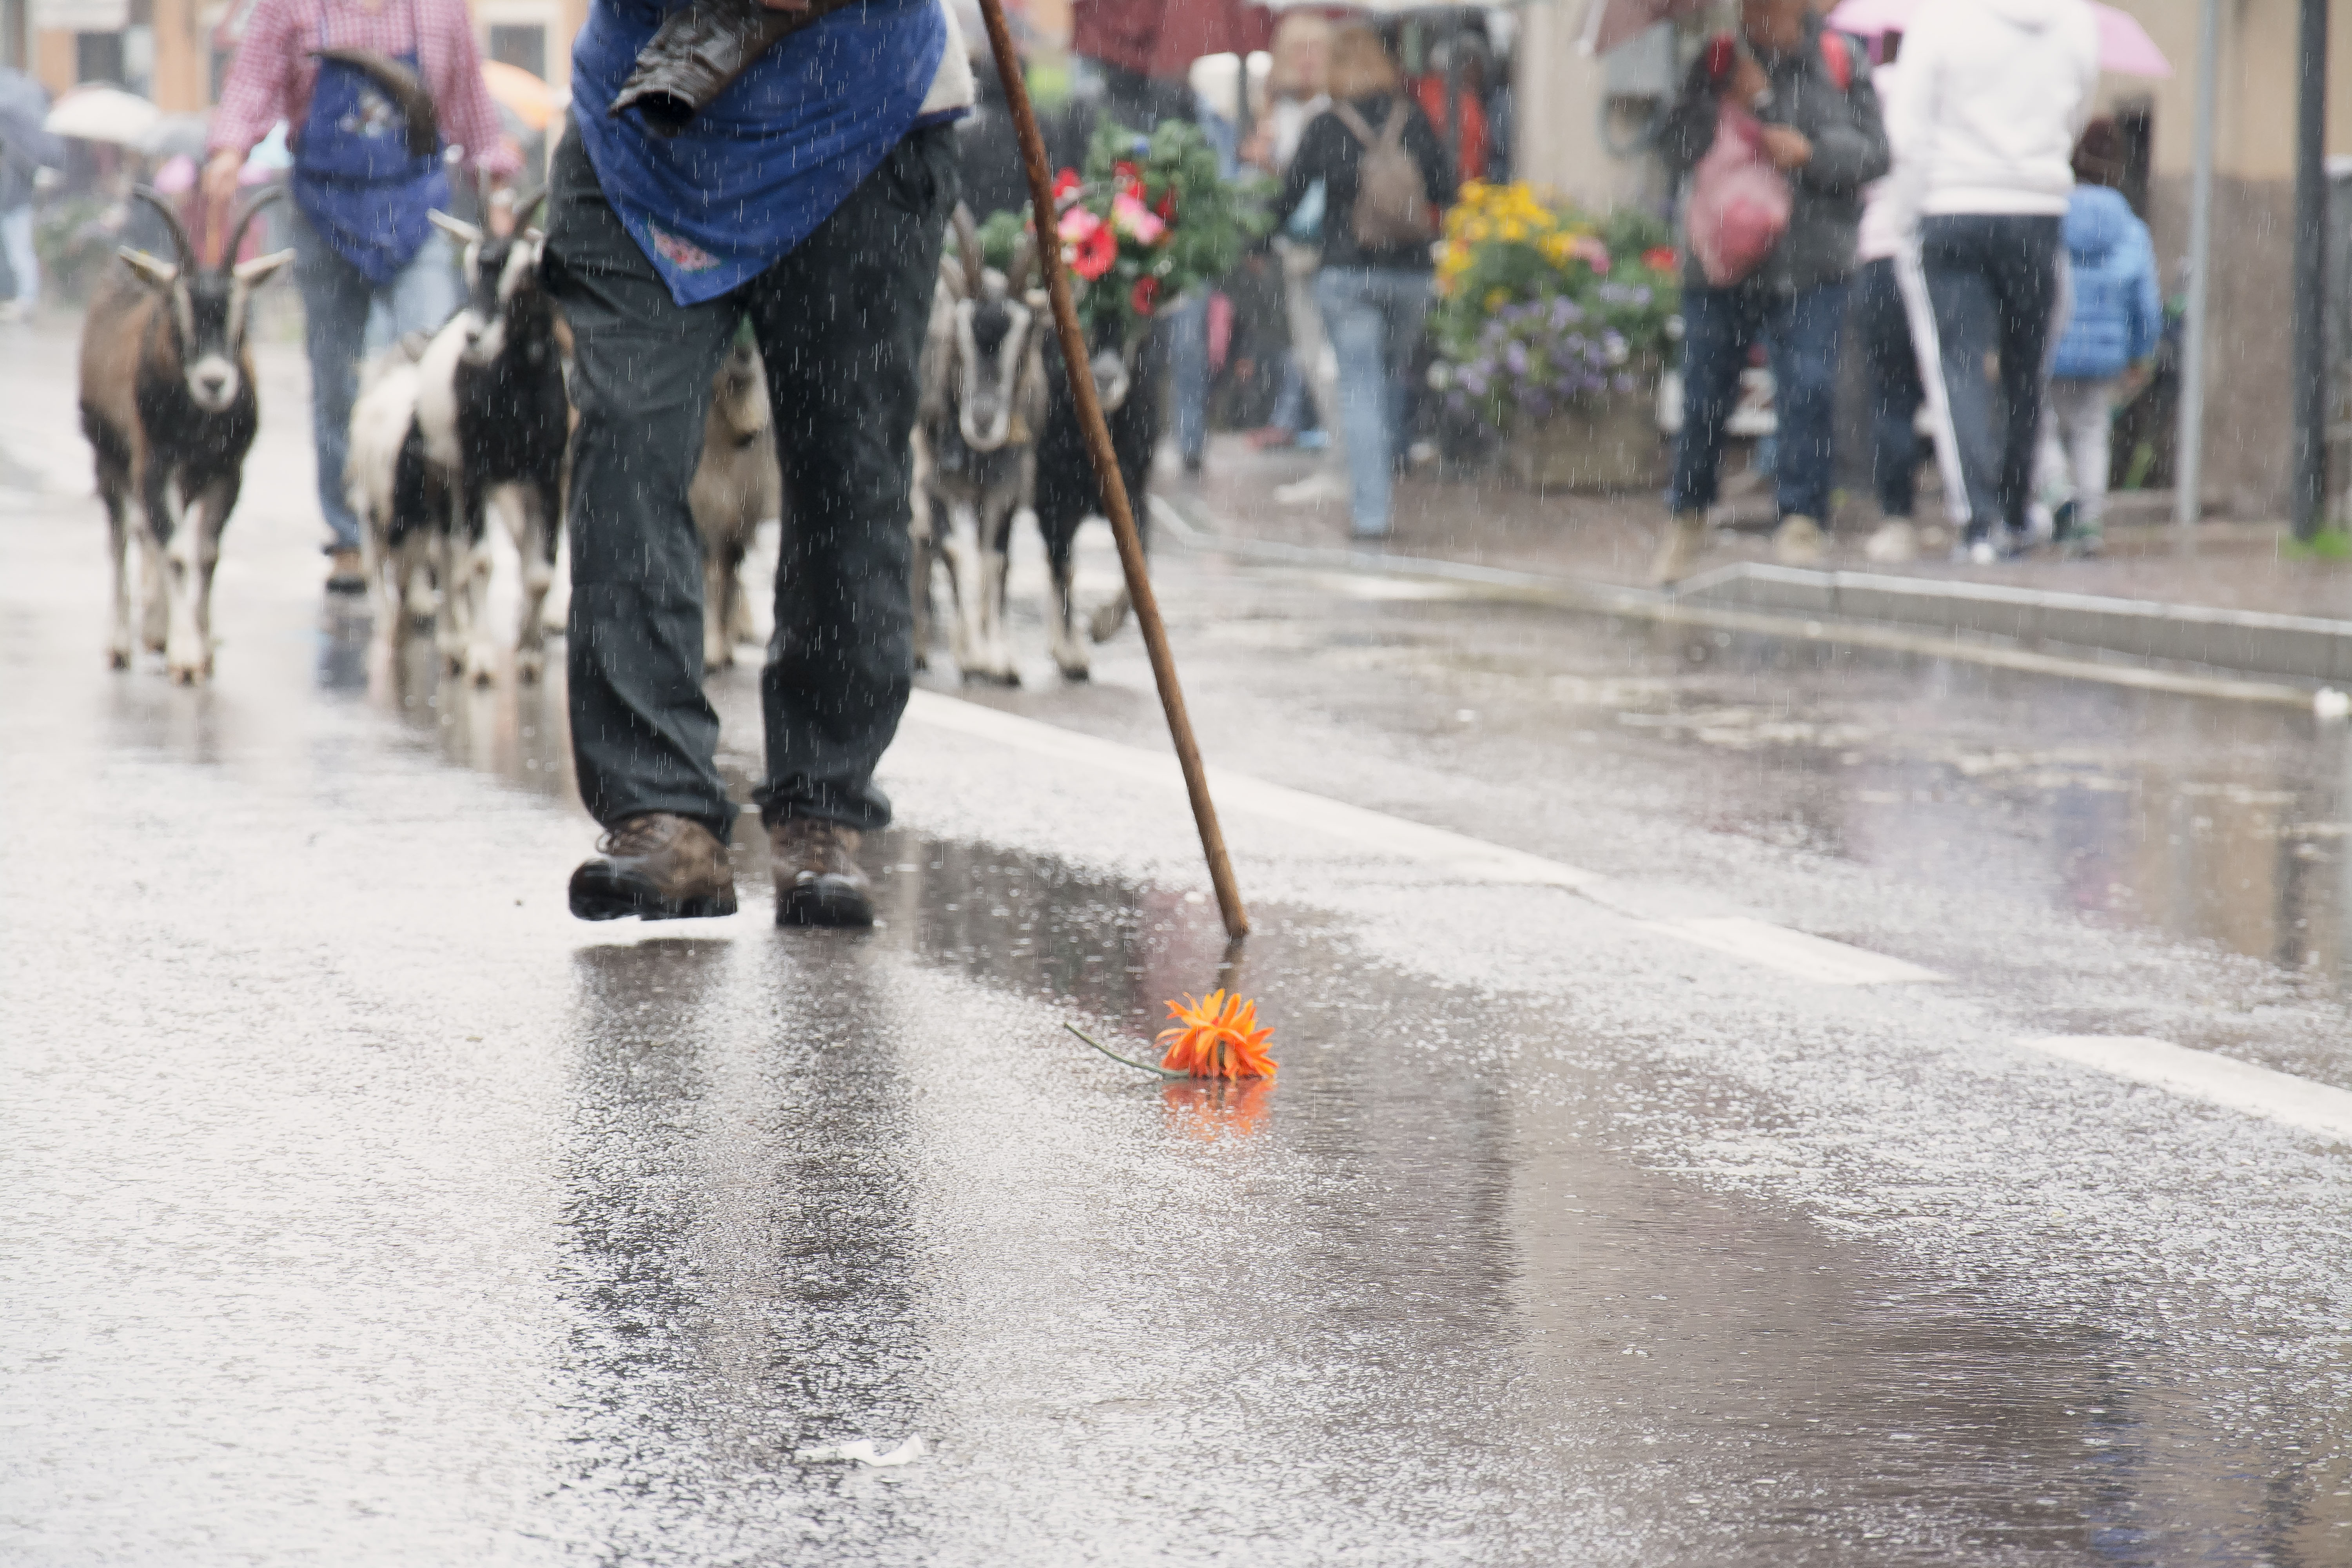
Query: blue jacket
x=2118, y=313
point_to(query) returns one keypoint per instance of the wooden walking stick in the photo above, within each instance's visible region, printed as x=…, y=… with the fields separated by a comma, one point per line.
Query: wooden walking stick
x=1114, y=489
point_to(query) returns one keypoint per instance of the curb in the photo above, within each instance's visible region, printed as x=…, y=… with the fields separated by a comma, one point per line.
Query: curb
x=2210, y=652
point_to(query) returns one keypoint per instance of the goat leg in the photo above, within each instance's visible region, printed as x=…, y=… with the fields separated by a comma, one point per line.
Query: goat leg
x=189, y=557
x=119, y=644
x=717, y=647
x=1070, y=655
x=533, y=511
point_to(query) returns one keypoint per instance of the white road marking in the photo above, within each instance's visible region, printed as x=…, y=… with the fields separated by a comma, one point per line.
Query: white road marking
x=1796, y=953
x=1757, y=942
x=2217, y=1079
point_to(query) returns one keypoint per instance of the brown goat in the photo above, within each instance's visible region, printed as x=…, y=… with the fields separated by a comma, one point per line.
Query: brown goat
x=168, y=405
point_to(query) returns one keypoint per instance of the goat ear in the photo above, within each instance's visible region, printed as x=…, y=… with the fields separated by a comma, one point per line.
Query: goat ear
x=253, y=274
x=951, y=274
x=152, y=269
x=456, y=228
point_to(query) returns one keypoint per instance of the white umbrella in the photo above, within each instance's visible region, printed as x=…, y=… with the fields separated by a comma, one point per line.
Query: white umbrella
x=103, y=114
x=1608, y=23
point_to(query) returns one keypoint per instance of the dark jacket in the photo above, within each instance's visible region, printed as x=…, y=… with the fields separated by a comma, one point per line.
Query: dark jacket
x=1849, y=151
x=1329, y=152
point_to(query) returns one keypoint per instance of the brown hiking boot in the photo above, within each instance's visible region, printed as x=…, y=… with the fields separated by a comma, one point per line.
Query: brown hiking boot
x=656, y=867
x=818, y=880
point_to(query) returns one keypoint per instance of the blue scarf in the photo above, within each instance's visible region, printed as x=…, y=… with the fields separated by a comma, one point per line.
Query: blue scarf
x=755, y=173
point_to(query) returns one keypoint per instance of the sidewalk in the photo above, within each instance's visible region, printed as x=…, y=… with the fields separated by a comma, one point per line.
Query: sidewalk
x=1610, y=539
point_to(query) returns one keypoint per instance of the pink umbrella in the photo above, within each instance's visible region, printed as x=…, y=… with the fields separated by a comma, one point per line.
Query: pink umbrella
x=2125, y=46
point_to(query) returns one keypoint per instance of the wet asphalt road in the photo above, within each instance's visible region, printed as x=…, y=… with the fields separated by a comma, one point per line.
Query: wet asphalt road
x=364, y=1208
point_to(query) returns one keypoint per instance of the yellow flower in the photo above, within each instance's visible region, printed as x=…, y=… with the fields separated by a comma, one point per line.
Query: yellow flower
x=1496, y=298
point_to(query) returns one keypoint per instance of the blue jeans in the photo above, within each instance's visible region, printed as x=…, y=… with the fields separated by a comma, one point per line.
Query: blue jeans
x=1894, y=390
x=1800, y=333
x=1188, y=368
x=1373, y=316
x=335, y=301
x=24, y=261
x=1993, y=281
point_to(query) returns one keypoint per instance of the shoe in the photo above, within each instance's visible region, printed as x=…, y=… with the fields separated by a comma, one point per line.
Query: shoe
x=818, y=880
x=1799, y=542
x=344, y=573
x=658, y=867
x=1934, y=538
x=1895, y=544
x=1983, y=552
x=1684, y=542
x=1271, y=437
x=2085, y=545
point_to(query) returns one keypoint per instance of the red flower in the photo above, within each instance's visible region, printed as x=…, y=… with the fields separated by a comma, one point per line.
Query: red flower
x=1096, y=252
x=1660, y=258
x=1166, y=207
x=1065, y=184
x=1145, y=295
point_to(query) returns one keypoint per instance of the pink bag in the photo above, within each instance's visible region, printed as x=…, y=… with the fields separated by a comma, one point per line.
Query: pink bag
x=1738, y=203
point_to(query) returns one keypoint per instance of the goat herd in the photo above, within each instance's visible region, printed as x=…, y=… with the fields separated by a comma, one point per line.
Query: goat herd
x=474, y=417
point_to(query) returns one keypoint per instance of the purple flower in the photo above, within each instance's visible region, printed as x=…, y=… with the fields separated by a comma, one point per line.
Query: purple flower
x=1457, y=402
x=1624, y=381
x=1535, y=403
x=1516, y=356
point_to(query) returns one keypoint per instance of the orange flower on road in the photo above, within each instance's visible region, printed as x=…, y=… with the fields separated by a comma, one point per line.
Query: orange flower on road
x=1217, y=1036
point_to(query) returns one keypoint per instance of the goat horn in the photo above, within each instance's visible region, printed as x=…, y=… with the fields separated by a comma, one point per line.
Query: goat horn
x=968, y=250
x=1024, y=257
x=415, y=102
x=245, y=221
x=180, y=245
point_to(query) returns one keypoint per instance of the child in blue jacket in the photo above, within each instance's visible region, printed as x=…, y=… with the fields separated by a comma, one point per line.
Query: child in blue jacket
x=2117, y=318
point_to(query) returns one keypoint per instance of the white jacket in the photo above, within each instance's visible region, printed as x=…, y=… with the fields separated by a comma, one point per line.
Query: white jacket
x=1994, y=93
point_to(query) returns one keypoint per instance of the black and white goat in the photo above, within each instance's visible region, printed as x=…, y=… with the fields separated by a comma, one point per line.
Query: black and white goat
x=737, y=486
x=392, y=491
x=1128, y=368
x=168, y=405
x=495, y=422
x=984, y=397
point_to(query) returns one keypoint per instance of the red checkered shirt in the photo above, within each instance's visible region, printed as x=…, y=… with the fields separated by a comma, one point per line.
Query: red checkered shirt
x=272, y=75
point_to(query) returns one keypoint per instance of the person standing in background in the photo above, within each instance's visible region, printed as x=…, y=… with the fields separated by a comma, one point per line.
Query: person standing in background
x=25, y=150
x=1811, y=89
x=362, y=236
x=1300, y=60
x=2117, y=318
x=1889, y=357
x=1994, y=94
x=1373, y=286
x=1215, y=80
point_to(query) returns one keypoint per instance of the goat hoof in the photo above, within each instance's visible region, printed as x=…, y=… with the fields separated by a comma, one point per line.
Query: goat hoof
x=118, y=659
x=1105, y=625
x=1077, y=673
x=190, y=674
x=530, y=665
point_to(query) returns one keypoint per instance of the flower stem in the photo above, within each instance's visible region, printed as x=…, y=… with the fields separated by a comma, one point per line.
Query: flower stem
x=1140, y=1067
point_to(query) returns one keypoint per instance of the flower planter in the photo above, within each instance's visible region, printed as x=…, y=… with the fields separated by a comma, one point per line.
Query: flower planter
x=1608, y=443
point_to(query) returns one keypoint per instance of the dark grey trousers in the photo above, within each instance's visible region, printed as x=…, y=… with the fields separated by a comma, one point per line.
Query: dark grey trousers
x=840, y=323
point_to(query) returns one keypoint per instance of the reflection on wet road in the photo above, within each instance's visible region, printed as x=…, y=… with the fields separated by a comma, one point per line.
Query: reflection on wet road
x=366, y=1209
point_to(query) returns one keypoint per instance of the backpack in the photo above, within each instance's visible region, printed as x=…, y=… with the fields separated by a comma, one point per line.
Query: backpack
x=1392, y=204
